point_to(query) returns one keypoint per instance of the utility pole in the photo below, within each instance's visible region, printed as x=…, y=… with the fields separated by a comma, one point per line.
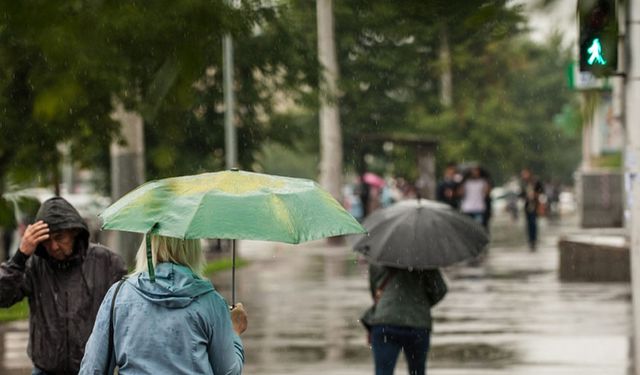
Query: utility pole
x=632, y=124
x=330, y=131
x=230, y=138
x=127, y=172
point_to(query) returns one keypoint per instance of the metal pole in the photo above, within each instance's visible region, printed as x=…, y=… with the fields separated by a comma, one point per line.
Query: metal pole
x=231, y=143
x=632, y=119
x=233, y=273
x=127, y=172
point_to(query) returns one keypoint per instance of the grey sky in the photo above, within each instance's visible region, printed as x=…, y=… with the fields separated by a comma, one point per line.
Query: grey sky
x=561, y=16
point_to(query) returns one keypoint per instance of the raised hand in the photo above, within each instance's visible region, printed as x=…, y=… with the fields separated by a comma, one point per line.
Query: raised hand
x=33, y=236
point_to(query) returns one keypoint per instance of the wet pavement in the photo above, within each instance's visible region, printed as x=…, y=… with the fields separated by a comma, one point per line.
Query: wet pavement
x=509, y=314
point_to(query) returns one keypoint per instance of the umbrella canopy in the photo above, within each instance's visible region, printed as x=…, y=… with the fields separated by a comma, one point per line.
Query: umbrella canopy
x=373, y=180
x=420, y=234
x=232, y=205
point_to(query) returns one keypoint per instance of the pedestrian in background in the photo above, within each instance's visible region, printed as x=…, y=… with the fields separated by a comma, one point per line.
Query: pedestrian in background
x=64, y=277
x=400, y=318
x=513, y=196
x=447, y=190
x=488, y=212
x=474, y=191
x=530, y=192
x=177, y=324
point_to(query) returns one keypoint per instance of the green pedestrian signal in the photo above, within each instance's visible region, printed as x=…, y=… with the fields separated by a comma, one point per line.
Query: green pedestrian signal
x=598, y=37
x=595, y=53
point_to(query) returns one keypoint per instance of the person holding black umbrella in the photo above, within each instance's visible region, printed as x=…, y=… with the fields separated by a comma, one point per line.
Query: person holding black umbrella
x=447, y=190
x=400, y=318
x=406, y=245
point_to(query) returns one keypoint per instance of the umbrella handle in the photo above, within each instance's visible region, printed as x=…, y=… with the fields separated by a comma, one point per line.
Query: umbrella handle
x=233, y=273
x=152, y=273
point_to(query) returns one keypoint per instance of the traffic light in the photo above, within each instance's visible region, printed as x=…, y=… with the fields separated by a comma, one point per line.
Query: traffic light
x=598, y=37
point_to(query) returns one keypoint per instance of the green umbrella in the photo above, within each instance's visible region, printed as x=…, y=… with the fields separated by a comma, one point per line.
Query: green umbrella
x=231, y=205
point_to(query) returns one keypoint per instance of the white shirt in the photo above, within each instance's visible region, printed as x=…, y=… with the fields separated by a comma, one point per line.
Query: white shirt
x=474, y=195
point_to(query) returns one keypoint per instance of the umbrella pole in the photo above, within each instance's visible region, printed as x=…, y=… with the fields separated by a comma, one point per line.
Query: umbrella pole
x=152, y=274
x=233, y=272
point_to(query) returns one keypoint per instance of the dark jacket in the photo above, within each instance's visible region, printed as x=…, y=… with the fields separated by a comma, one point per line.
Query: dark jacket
x=407, y=298
x=530, y=192
x=64, y=296
x=447, y=192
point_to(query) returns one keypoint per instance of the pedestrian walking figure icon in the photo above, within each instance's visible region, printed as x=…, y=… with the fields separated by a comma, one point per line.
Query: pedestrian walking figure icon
x=595, y=53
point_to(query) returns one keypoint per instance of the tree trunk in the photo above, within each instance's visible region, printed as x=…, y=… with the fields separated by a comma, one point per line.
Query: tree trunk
x=55, y=174
x=127, y=172
x=330, y=132
x=446, y=80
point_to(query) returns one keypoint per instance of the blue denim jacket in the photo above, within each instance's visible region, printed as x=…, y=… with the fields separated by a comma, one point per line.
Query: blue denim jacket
x=177, y=325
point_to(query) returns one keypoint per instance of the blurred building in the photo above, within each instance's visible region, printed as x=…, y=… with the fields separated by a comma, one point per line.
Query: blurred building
x=600, y=179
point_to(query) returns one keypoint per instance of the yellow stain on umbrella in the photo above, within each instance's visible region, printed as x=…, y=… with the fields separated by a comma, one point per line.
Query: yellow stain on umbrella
x=230, y=183
x=281, y=212
x=296, y=207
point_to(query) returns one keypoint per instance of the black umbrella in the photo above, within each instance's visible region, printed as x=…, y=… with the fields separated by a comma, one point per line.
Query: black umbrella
x=420, y=234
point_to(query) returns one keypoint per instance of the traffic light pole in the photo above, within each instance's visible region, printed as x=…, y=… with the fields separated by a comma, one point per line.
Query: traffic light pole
x=632, y=124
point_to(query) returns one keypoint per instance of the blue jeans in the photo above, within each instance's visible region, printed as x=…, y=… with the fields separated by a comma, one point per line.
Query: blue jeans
x=478, y=217
x=532, y=227
x=387, y=341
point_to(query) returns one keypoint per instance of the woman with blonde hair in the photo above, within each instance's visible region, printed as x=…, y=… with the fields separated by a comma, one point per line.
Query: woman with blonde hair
x=177, y=324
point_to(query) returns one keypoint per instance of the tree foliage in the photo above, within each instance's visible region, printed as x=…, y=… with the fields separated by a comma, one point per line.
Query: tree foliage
x=506, y=90
x=275, y=73
x=63, y=64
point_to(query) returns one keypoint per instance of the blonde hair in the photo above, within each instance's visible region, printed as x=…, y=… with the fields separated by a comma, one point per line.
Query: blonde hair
x=168, y=249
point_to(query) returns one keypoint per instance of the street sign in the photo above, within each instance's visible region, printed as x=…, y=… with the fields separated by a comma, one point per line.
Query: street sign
x=579, y=80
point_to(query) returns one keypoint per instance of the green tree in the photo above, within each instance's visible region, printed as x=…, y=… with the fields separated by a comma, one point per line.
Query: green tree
x=505, y=93
x=64, y=64
x=275, y=74
x=50, y=92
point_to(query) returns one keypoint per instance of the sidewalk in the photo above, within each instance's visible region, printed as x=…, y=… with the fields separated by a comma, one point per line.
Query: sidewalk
x=508, y=316
x=14, y=338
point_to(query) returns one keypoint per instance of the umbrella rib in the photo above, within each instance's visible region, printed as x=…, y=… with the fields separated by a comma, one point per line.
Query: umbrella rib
x=436, y=256
x=195, y=211
x=294, y=231
x=471, y=250
x=451, y=241
x=445, y=226
x=416, y=221
x=391, y=221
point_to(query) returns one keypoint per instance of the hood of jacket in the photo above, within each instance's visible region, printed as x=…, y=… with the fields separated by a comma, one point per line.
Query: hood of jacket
x=175, y=287
x=60, y=215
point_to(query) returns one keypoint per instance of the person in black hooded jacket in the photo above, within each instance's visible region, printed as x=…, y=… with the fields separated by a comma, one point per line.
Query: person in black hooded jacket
x=65, y=279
